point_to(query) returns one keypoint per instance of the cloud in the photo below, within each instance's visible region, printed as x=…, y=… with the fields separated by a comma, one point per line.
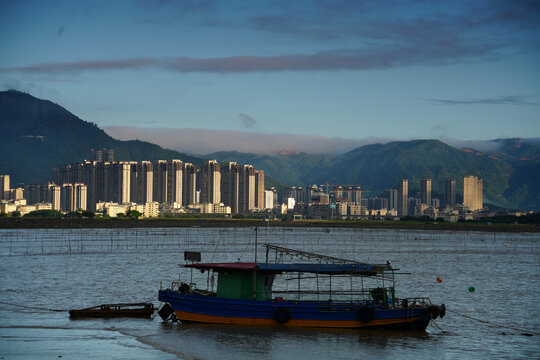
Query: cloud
x=501, y=100
x=203, y=141
x=388, y=35
x=344, y=59
x=480, y=145
x=397, y=19
x=181, y=6
x=385, y=35
x=247, y=120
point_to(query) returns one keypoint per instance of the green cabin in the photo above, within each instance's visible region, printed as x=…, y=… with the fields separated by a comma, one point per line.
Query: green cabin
x=237, y=284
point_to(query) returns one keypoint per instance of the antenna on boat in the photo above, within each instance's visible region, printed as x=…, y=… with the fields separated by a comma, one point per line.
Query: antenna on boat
x=256, y=244
x=254, y=271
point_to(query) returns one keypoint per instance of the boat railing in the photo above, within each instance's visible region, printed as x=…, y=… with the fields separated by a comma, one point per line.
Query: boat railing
x=348, y=297
x=377, y=296
x=413, y=302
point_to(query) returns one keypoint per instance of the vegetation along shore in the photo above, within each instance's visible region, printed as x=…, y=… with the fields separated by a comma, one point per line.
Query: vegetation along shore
x=47, y=223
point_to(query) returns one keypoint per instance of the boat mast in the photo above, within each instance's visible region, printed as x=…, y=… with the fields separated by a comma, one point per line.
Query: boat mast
x=256, y=243
x=254, y=271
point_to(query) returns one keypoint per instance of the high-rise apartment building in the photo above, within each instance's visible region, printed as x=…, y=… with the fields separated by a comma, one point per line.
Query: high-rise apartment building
x=210, y=182
x=142, y=182
x=5, y=191
x=105, y=181
x=120, y=182
x=97, y=155
x=259, y=189
x=189, y=184
x=230, y=185
x=73, y=197
x=392, y=196
x=246, y=186
x=17, y=193
x=425, y=190
x=168, y=176
x=473, y=189
x=355, y=194
x=290, y=194
x=338, y=192
x=450, y=193
x=103, y=155
x=403, y=197
x=55, y=193
x=109, y=154
x=40, y=193
x=268, y=199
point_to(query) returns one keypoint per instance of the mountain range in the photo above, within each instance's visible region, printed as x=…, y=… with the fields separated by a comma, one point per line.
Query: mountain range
x=38, y=135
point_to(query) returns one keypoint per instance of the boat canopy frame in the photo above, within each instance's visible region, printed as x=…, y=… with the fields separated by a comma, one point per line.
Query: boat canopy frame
x=331, y=268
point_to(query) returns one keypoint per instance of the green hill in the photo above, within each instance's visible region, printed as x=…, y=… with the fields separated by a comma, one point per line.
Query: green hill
x=38, y=135
x=289, y=169
x=378, y=166
x=510, y=174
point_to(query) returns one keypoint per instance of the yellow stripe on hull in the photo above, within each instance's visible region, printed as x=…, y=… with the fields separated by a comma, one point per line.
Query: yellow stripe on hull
x=194, y=317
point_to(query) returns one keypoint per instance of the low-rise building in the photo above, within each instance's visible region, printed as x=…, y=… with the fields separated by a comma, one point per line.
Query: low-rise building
x=432, y=212
x=111, y=208
x=25, y=209
x=208, y=208
x=171, y=208
x=151, y=209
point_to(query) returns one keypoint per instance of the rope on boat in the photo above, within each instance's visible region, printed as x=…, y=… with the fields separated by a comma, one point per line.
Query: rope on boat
x=437, y=325
x=524, y=332
x=32, y=307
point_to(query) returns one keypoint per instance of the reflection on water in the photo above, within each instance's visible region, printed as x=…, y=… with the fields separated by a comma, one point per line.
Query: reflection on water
x=75, y=268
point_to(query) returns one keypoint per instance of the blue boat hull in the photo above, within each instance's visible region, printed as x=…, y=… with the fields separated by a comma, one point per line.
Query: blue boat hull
x=211, y=309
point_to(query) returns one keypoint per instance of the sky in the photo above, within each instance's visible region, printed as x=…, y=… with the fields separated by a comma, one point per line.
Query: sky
x=201, y=76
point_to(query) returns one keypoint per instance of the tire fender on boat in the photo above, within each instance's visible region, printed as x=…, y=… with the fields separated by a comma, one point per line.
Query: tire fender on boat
x=443, y=311
x=282, y=315
x=437, y=311
x=366, y=314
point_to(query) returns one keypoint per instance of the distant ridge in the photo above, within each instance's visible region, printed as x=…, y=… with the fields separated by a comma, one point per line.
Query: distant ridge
x=509, y=174
x=38, y=135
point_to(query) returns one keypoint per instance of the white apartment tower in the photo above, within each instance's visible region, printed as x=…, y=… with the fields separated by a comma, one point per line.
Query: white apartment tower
x=5, y=191
x=403, y=197
x=473, y=193
x=210, y=182
x=259, y=189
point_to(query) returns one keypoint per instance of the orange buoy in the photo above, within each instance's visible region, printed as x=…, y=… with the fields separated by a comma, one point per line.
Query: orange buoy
x=439, y=280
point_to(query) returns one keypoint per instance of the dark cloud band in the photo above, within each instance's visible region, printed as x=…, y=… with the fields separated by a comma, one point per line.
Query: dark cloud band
x=502, y=100
x=346, y=59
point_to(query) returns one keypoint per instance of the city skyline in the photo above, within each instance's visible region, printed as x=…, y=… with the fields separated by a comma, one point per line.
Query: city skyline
x=296, y=76
x=225, y=189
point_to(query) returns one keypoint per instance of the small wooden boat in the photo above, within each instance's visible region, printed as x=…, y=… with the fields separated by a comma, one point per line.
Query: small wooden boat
x=115, y=310
x=338, y=293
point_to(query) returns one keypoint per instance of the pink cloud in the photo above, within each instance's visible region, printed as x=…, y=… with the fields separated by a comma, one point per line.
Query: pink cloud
x=204, y=141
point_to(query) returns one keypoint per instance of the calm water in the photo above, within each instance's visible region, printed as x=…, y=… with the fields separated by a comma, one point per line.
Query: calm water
x=72, y=268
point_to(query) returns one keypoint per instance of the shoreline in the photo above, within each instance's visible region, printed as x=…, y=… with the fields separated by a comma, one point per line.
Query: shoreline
x=54, y=223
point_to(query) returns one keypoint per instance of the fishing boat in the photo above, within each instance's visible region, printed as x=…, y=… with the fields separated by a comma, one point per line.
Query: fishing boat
x=114, y=310
x=324, y=292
